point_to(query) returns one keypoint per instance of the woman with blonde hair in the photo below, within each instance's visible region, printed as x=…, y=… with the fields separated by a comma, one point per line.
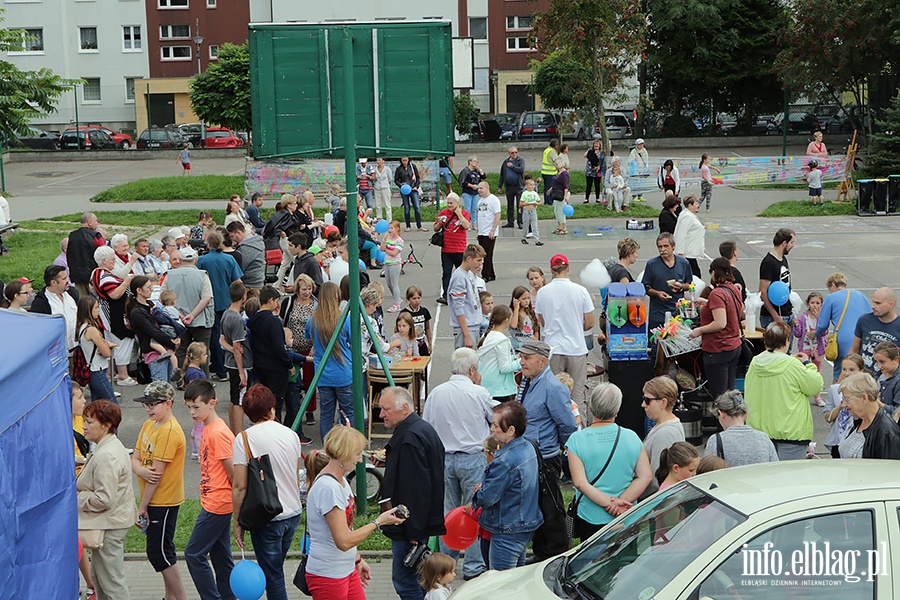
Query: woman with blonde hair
x=660, y=396
x=295, y=313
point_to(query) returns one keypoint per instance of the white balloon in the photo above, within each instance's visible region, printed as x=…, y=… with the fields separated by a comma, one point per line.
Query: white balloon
x=594, y=275
x=699, y=286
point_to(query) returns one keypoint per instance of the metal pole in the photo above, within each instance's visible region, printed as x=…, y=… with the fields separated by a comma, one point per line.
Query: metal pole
x=784, y=124
x=77, y=132
x=149, y=122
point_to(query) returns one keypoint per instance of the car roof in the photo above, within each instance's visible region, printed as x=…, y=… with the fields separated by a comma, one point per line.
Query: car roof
x=754, y=488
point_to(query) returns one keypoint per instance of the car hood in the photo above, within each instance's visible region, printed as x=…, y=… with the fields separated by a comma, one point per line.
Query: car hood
x=522, y=582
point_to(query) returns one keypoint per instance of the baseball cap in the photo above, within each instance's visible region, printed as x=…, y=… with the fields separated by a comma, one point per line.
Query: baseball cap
x=188, y=253
x=24, y=280
x=176, y=233
x=639, y=141
x=363, y=160
x=157, y=391
x=558, y=260
x=314, y=249
x=535, y=347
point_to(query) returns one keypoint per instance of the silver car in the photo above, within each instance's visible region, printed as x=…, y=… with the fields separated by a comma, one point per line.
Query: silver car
x=618, y=125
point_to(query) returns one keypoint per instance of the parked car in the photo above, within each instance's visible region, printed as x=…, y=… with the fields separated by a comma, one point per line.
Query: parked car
x=160, y=138
x=123, y=141
x=192, y=132
x=677, y=126
x=221, y=137
x=86, y=139
x=794, y=529
x=761, y=124
x=37, y=139
x=619, y=126
x=842, y=122
x=797, y=122
x=509, y=125
x=537, y=125
x=725, y=122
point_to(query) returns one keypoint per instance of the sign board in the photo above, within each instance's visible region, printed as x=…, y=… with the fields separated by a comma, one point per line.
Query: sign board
x=463, y=63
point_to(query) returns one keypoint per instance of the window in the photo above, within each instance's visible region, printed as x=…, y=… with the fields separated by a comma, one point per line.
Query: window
x=518, y=43
x=131, y=38
x=90, y=91
x=88, y=37
x=518, y=23
x=213, y=52
x=478, y=28
x=32, y=41
x=129, y=89
x=174, y=32
x=176, y=52
x=173, y=3
x=210, y=3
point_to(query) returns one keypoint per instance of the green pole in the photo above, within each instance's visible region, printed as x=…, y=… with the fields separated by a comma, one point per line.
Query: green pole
x=784, y=125
x=78, y=133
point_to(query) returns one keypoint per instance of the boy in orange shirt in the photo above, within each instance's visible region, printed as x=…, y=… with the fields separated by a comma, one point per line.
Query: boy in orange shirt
x=212, y=530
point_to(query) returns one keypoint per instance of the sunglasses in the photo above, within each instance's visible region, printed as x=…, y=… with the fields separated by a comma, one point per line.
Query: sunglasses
x=647, y=400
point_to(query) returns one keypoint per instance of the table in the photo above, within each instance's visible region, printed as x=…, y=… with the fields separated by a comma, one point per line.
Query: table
x=416, y=366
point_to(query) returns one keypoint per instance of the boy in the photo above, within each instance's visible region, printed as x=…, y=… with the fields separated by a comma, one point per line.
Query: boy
x=169, y=320
x=185, y=158
x=529, y=202
x=158, y=461
x=814, y=180
x=212, y=530
x=238, y=358
x=487, y=305
x=272, y=363
x=334, y=200
x=378, y=315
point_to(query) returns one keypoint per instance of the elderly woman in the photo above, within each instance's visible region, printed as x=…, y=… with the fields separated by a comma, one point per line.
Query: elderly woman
x=616, y=197
x=690, y=234
x=816, y=148
x=777, y=390
x=609, y=466
x=660, y=396
x=106, y=498
x=738, y=444
x=874, y=434
x=234, y=213
x=509, y=494
x=110, y=290
x=124, y=260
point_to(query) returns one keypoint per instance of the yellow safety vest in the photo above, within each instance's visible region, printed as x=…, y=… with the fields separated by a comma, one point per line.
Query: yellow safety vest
x=548, y=166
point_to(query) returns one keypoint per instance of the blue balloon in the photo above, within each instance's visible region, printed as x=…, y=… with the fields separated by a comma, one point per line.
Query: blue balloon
x=362, y=265
x=382, y=226
x=380, y=256
x=248, y=582
x=405, y=189
x=568, y=210
x=779, y=293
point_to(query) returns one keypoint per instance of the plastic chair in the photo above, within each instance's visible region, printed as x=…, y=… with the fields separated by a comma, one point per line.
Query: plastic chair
x=376, y=376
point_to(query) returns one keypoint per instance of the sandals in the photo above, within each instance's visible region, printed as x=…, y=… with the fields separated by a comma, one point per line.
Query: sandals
x=560, y=232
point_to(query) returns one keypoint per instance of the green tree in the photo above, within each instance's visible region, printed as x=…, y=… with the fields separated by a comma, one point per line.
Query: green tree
x=883, y=155
x=221, y=94
x=559, y=79
x=464, y=112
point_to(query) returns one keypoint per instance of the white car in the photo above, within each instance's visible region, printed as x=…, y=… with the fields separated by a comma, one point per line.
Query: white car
x=802, y=530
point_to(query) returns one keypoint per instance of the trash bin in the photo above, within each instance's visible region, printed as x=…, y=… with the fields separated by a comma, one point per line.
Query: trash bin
x=893, y=193
x=864, y=198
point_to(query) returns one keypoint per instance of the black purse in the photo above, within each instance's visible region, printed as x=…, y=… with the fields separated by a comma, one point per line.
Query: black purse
x=572, y=511
x=437, y=238
x=261, y=503
x=300, y=576
x=548, y=502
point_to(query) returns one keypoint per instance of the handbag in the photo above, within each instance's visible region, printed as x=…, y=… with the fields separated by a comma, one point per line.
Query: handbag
x=557, y=195
x=831, y=344
x=746, y=356
x=549, y=503
x=300, y=576
x=261, y=503
x=720, y=449
x=572, y=511
x=437, y=238
x=91, y=538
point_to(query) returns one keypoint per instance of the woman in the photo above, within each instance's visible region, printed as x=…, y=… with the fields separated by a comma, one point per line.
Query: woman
x=335, y=387
x=295, y=313
x=562, y=158
x=777, y=390
x=306, y=218
x=106, y=498
x=610, y=468
x=660, y=396
x=455, y=223
x=721, y=314
x=111, y=290
x=628, y=255
x=508, y=495
x=408, y=174
x=382, y=186
x=147, y=330
x=233, y=213
x=268, y=437
x=204, y=226
x=617, y=197
x=124, y=260
x=559, y=192
x=816, y=148
x=690, y=234
x=96, y=350
x=16, y=295
x=875, y=434
x=738, y=443
x=335, y=568
x=594, y=170
x=469, y=178
x=668, y=178
x=284, y=222
x=668, y=216
x=497, y=362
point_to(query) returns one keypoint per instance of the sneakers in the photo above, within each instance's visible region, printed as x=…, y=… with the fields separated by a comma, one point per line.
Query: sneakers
x=217, y=377
x=394, y=308
x=442, y=300
x=524, y=241
x=539, y=243
x=529, y=234
x=195, y=456
x=305, y=439
x=127, y=382
x=310, y=418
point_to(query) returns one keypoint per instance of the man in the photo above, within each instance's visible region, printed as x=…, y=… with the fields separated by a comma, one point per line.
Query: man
x=272, y=362
x=179, y=238
x=774, y=267
x=238, y=357
x=728, y=250
x=146, y=264
x=58, y=298
x=365, y=175
x=256, y=202
x=304, y=262
x=414, y=477
x=665, y=276
x=488, y=227
x=842, y=308
x=174, y=259
x=512, y=177
x=222, y=270
x=462, y=293
x=195, y=302
x=550, y=423
x=548, y=168
x=638, y=164
x=253, y=254
x=881, y=325
x=80, y=253
x=565, y=311
x=460, y=411
x=62, y=260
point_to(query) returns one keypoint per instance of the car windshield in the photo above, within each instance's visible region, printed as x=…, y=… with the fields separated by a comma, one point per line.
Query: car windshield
x=638, y=555
x=506, y=119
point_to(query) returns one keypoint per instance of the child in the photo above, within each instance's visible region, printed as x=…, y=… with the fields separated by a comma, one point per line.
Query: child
x=194, y=359
x=158, y=461
x=378, y=315
x=814, y=180
x=706, y=181
x=523, y=324
x=677, y=463
x=185, y=158
x=293, y=397
x=566, y=380
x=835, y=412
x=529, y=203
x=97, y=351
x=887, y=358
x=436, y=573
x=238, y=358
x=82, y=449
x=709, y=464
x=805, y=332
x=421, y=317
x=618, y=191
x=392, y=246
x=334, y=200
x=406, y=334
x=487, y=305
x=536, y=280
x=211, y=536
x=169, y=320
x=204, y=223
x=497, y=362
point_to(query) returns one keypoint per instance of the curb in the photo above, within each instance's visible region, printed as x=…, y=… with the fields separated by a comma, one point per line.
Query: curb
x=292, y=555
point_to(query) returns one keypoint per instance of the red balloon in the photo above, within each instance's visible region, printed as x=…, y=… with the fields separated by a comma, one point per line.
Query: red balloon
x=329, y=229
x=462, y=529
x=80, y=550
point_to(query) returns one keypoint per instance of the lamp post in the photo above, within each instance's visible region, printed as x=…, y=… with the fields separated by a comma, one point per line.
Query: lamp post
x=198, y=40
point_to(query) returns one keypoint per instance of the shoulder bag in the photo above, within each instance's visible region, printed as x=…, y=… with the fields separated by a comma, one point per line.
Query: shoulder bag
x=300, y=576
x=746, y=346
x=831, y=344
x=720, y=449
x=572, y=511
x=261, y=503
x=548, y=501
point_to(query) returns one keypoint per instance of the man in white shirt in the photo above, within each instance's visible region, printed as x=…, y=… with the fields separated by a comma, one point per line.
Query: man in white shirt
x=58, y=298
x=460, y=411
x=566, y=311
x=488, y=227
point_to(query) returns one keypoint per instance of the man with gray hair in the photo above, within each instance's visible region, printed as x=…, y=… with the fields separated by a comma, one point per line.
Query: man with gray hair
x=194, y=301
x=145, y=263
x=80, y=254
x=460, y=411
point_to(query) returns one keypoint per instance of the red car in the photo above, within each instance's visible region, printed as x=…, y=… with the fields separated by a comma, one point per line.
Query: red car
x=220, y=137
x=122, y=140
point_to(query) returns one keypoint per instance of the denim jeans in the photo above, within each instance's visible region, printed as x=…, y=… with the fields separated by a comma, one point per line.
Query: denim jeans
x=406, y=581
x=161, y=370
x=293, y=398
x=462, y=472
x=216, y=354
x=470, y=204
x=368, y=197
x=211, y=537
x=508, y=550
x=101, y=388
x=329, y=399
x=271, y=543
x=414, y=198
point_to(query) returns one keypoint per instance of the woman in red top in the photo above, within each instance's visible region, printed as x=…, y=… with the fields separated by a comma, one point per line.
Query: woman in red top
x=816, y=148
x=454, y=221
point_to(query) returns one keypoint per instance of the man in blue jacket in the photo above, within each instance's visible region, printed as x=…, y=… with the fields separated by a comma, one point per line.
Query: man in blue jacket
x=512, y=179
x=252, y=209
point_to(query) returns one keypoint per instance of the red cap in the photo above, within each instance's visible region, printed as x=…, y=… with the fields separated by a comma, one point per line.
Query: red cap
x=24, y=280
x=559, y=260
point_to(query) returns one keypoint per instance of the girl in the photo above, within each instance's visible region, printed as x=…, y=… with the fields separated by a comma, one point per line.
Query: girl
x=835, y=412
x=436, y=574
x=805, y=332
x=97, y=351
x=523, y=323
x=335, y=384
x=16, y=294
x=706, y=181
x=594, y=170
x=487, y=305
x=536, y=280
x=421, y=316
x=887, y=358
x=204, y=223
x=392, y=246
x=709, y=464
x=497, y=362
x=406, y=334
x=194, y=359
x=676, y=463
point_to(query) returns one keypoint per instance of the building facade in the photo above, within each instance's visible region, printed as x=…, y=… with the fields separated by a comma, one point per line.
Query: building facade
x=512, y=80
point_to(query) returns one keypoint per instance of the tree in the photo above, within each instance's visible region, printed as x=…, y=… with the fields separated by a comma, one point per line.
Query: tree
x=605, y=36
x=221, y=95
x=25, y=95
x=554, y=75
x=883, y=156
x=464, y=112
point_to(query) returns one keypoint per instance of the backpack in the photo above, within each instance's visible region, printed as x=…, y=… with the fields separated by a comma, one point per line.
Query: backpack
x=81, y=368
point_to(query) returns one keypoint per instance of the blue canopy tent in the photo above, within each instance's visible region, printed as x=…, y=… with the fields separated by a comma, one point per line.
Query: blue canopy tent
x=38, y=512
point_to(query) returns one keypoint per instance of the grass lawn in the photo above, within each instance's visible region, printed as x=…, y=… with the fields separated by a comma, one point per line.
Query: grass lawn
x=800, y=185
x=804, y=208
x=195, y=187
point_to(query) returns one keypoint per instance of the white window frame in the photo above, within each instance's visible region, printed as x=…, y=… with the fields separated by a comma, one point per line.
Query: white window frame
x=84, y=99
x=166, y=32
x=518, y=26
x=211, y=4
x=213, y=52
x=167, y=5
x=81, y=48
x=517, y=47
x=132, y=29
x=162, y=53
x=486, y=29
x=25, y=42
x=133, y=80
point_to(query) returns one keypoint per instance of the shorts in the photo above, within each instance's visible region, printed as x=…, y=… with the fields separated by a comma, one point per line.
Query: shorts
x=122, y=351
x=445, y=175
x=186, y=166
x=161, y=536
x=234, y=385
x=813, y=192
